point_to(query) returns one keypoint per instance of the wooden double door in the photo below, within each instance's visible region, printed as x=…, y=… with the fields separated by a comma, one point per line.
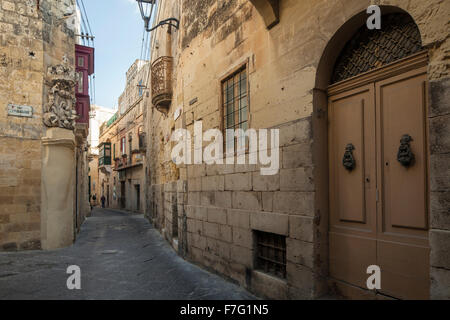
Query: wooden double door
x=378, y=163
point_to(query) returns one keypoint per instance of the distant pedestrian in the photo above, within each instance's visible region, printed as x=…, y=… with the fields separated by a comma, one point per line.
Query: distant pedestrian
x=103, y=199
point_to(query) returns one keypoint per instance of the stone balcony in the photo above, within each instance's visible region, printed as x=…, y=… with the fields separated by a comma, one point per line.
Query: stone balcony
x=162, y=83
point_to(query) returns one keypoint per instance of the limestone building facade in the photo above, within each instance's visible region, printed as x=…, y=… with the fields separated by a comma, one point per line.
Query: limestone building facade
x=97, y=117
x=356, y=185
x=41, y=141
x=121, y=163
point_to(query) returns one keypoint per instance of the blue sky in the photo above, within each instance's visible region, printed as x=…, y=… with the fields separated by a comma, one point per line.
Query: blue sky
x=117, y=26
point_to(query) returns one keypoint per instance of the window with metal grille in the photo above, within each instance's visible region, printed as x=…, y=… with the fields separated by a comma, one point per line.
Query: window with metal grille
x=235, y=105
x=271, y=253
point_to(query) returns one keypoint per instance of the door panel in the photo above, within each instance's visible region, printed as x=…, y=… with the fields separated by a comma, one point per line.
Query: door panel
x=402, y=232
x=405, y=270
x=402, y=109
x=352, y=193
x=379, y=210
x=350, y=256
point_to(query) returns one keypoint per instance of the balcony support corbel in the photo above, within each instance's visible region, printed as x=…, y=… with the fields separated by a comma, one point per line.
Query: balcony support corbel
x=269, y=10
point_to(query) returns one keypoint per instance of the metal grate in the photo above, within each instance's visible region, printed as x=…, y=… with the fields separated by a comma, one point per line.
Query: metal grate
x=398, y=38
x=271, y=253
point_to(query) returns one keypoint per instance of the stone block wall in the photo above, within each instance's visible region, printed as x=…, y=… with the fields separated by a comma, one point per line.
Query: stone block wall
x=225, y=204
x=20, y=189
x=30, y=41
x=21, y=68
x=168, y=213
x=439, y=122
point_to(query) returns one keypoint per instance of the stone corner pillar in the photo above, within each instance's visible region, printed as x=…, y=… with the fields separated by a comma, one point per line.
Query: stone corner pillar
x=58, y=188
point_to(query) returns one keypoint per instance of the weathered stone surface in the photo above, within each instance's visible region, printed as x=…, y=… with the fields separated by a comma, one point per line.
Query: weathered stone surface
x=239, y=218
x=196, y=171
x=300, y=252
x=439, y=97
x=440, y=249
x=211, y=230
x=267, y=199
x=266, y=183
x=20, y=189
x=301, y=228
x=222, y=199
x=440, y=172
x=297, y=132
x=270, y=222
x=440, y=212
x=268, y=286
x=243, y=237
x=246, y=200
x=194, y=198
x=238, y=182
x=269, y=11
x=300, y=203
x=217, y=215
x=200, y=213
x=208, y=198
x=299, y=179
x=301, y=278
x=440, y=134
x=213, y=183
x=242, y=255
x=297, y=155
x=440, y=284
x=195, y=184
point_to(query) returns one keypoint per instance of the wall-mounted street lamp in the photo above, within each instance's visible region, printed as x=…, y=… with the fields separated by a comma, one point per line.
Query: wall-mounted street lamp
x=144, y=6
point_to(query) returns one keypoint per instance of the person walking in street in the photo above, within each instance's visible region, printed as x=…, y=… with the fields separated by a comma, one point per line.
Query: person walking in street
x=93, y=201
x=103, y=199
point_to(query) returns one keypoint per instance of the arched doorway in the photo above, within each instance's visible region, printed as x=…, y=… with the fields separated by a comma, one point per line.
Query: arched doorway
x=378, y=160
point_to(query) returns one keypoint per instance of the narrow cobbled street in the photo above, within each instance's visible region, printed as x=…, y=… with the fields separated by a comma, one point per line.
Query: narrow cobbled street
x=121, y=256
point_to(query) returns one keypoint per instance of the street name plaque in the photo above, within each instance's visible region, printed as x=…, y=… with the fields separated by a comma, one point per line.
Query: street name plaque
x=15, y=110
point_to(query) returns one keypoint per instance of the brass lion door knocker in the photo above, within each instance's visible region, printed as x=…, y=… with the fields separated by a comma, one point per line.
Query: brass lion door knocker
x=405, y=156
x=348, y=161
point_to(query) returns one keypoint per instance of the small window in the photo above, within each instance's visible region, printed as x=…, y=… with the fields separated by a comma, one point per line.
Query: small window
x=140, y=88
x=141, y=136
x=271, y=253
x=122, y=145
x=80, y=81
x=235, y=105
x=81, y=61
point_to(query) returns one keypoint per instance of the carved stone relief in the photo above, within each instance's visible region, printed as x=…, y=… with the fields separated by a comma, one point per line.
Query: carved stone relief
x=59, y=111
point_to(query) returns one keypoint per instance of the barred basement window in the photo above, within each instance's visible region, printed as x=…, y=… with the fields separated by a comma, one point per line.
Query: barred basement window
x=271, y=253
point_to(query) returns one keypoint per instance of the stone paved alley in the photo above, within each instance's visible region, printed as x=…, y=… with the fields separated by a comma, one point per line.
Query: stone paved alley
x=121, y=256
